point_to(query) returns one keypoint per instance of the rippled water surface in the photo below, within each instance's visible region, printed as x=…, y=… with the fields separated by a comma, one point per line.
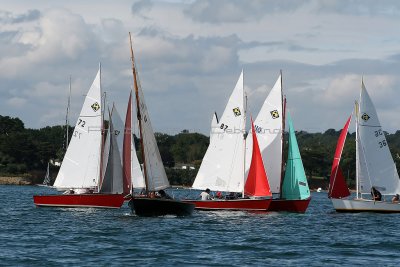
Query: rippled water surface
x=32, y=236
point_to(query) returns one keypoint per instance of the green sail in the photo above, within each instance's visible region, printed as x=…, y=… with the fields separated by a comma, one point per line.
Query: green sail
x=295, y=184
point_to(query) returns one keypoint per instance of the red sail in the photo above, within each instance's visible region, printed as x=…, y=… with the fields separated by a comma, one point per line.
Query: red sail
x=337, y=184
x=257, y=181
x=126, y=153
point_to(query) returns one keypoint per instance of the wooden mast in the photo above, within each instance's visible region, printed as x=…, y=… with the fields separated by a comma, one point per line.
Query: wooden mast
x=282, y=135
x=139, y=116
x=244, y=135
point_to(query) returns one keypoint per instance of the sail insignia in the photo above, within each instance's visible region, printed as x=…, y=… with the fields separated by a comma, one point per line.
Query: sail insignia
x=365, y=117
x=274, y=114
x=95, y=106
x=237, y=112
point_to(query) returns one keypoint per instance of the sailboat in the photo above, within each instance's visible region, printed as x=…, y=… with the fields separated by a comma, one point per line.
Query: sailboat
x=290, y=187
x=90, y=178
x=375, y=167
x=46, y=180
x=222, y=168
x=153, y=168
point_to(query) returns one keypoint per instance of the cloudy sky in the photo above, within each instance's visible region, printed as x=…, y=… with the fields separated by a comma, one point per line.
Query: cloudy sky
x=190, y=54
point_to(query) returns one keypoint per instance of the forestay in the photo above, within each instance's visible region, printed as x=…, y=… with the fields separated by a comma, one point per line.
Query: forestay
x=269, y=127
x=81, y=165
x=376, y=165
x=222, y=167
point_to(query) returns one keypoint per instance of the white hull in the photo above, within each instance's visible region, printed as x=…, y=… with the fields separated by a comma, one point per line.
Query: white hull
x=364, y=205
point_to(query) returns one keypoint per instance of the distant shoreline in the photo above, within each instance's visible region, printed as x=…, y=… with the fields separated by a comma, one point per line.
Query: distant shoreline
x=16, y=180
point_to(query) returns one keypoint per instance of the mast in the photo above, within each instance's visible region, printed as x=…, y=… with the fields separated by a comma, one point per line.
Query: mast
x=244, y=136
x=282, y=134
x=357, y=153
x=135, y=84
x=67, y=116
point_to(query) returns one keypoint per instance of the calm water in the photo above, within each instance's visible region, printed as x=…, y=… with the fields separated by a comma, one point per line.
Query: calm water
x=32, y=236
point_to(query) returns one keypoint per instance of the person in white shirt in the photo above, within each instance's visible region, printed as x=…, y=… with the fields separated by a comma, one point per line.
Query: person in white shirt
x=205, y=195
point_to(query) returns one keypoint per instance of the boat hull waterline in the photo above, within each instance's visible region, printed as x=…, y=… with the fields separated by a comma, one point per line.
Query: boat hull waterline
x=364, y=205
x=232, y=204
x=284, y=205
x=113, y=201
x=149, y=207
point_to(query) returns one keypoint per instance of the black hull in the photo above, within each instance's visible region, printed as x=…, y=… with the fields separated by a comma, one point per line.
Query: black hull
x=149, y=207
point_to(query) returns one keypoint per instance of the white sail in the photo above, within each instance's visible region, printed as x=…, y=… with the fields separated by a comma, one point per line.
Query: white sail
x=156, y=176
x=81, y=165
x=112, y=181
x=119, y=129
x=136, y=170
x=376, y=165
x=46, y=180
x=222, y=167
x=269, y=127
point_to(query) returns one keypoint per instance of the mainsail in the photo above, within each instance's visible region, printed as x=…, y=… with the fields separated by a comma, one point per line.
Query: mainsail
x=376, y=166
x=81, y=165
x=257, y=181
x=294, y=184
x=269, y=127
x=222, y=166
x=337, y=184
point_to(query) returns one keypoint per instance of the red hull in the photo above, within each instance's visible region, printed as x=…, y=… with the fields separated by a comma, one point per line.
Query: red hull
x=113, y=201
x=299, y=206
x=234, y=204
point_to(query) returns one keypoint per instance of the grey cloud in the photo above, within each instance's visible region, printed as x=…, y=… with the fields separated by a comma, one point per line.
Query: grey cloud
x=9, y=18
x=139, y=7
x=237, y=10
x=359, y=7
x=189, y=54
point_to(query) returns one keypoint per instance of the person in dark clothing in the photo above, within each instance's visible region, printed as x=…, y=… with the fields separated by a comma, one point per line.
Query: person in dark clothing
x=163, y=194
x=376, y=195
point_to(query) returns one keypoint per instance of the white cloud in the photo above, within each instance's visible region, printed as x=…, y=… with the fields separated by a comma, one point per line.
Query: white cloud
x=16, y=102
x=190, y=54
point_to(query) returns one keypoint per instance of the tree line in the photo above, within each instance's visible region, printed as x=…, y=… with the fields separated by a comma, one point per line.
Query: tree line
x=27, y=151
